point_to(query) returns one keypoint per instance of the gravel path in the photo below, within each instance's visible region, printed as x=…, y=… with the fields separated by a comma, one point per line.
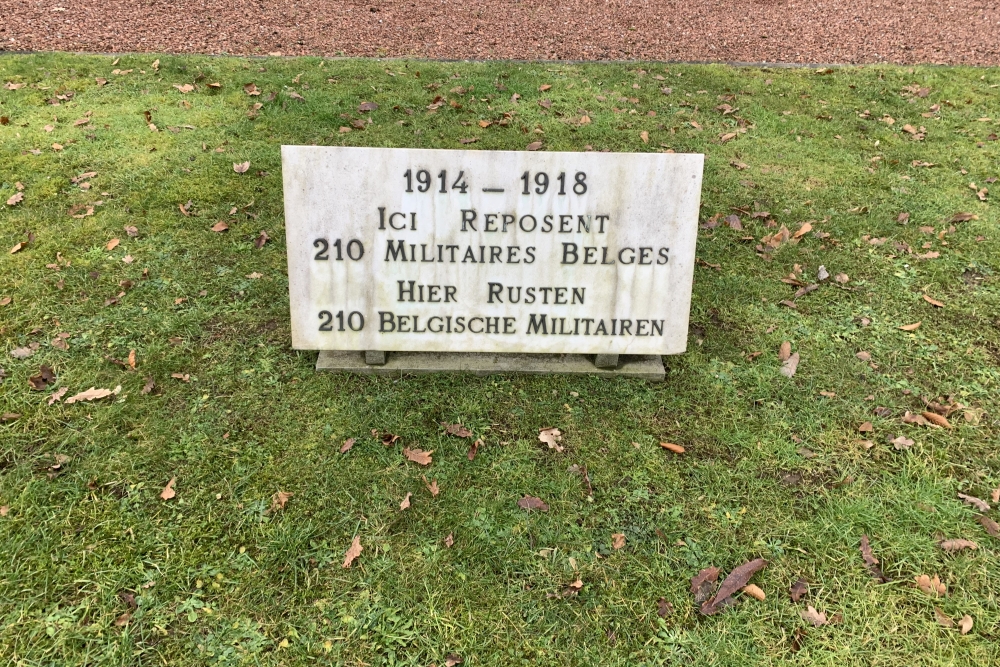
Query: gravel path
x=789, y=31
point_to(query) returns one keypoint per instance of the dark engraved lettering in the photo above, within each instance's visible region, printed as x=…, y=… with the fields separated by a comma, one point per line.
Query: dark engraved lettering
x=511, y=297
x=537, y=324
x=451, y=249
x=644, y=256
x=631, y=259
x=508, y=220
x=492, y=325
x=495, y=290
x=459, y=324
x=469, y=255
x=529, y=296
x=626, y=328
x=602, y=219
x=640, y=327
x=468, y=218
x=547, y=224
x=449, y=293
x=495, y=254
x=512, y=254
x=588, y=254
x=490, y=222
x=664, y=258
x=381, y=217
x=601, y=329
x=401, y=322
x=398, y=251
x=656, y=326
x=416, y=325
x=534, y=223
x=578, y=292
x=582, y=223
x=393, y=224
x=404, y=290
x=604, y=256
x=564, y=221
x=545, y=294
x=530, y=252
x=508, y=325
x=587, y=321
x=431, y=325
x=386, y=323
x=560, y=296
x=423, y=253
x=432, y=294
x=569, y=249
x=470, y=325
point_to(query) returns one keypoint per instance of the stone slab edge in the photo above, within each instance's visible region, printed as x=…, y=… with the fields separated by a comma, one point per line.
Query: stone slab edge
x=641, y=367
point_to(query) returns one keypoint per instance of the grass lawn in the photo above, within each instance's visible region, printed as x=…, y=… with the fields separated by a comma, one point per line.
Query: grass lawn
x=97, y=569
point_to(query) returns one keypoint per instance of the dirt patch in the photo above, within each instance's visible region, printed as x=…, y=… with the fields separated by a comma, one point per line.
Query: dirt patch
x=836, y=31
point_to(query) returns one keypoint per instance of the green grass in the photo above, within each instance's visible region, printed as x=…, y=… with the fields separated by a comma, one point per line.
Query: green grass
x=220, y=578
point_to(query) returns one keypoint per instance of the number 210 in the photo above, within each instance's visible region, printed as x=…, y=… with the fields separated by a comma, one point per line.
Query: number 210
x=542, y=183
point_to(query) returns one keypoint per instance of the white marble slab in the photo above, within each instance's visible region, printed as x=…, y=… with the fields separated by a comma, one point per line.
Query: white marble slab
x=605, y=268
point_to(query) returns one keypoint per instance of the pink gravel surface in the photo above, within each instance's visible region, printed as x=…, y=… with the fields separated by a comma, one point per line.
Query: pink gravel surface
x=784, y=31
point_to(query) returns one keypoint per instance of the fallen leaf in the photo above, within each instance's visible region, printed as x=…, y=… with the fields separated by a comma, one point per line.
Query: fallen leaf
x=910, y=327
x=533, y=146
x=552, y=437
x=754, y=592
x=866, y=428
x=663, y=608
x=168, y=491
x=457, y=430
x=617, y=540
x=112, y=244
x=544, y=87
x=676, y=449
x=798, y=589
x=452, y=659
x=9, y=417
x=241, y=167
x=432, y=486
x=901, y=442
x=736, y=580
x=220, y=227
x=870, y=560
x=933, y=302
x=988, y=524
x=532, y=503
x=353, y=552
x=910, y=418
x=469, y=140
x=56, y=396
x=474, y=449
x=18, y=247
x=367, y=106
x=43, y=379
x=4, y=510
x=406, y=501
x=810, y=615
x=279, y=500
x=931, y=586
x=261, y=240
x=123, y=620
x=957, y=545
x=91, y=394
x=149, y=386
x=418, y=456
x=185, y=88
x=449, y=541
x=790, y=366
x=965, y=624
x=995, y=495
x=803, y=230
x=183, y=377
x=21, y=352
x=942, y=619
x=15, y=199
x=936, y=419
x=644, y=135
x=979, y=504
x=785, y=351
x=347, y=445
x=251, y=89
x=703, y=583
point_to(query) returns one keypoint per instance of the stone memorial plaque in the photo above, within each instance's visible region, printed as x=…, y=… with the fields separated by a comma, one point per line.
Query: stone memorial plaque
x=398, y=249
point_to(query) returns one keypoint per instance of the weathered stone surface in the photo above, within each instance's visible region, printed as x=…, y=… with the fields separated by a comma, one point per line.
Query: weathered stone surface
x=644, y=367
x=598, y=261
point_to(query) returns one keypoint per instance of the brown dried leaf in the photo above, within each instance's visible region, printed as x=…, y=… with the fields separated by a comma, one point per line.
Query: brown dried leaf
x=432, y=486
x=866, y=428
x=184, y=88
x=933, y=302
x=663, y=608
x=457, y=430
x=552, y=437
x=15, y=199
x=367, y=106
x=149, y=386
x=910, y=327
x=931, y=586
x=617, y=540
x=754, y=592
x=676, y=449
x=474, y=449
x=219, y=227
x=56, y=396
x=533, y=146
x=790, y=366
x=347, y=445
x=168, y=491
x=798, y=589
x=957, y=545
x=261, y=240
x=353, y=552
x=279, y=500
x=785, y=351
x=532, y=503
x=241, y=167
x=406, y=501
x=942, y=619
x=803, y=230
x=418, y=456
x=736, y=580
x=452, y=659
x=43, y=379
x=91, y=394
x=991, y=526
x=978, y=503
x=965, y=624
x=810, y=615
x=936, y=419
x=703, y=583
